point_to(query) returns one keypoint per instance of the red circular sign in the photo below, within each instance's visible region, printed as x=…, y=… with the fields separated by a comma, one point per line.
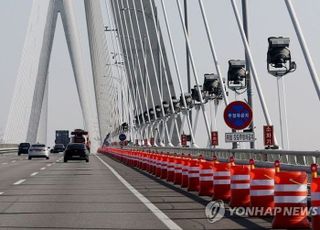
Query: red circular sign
x=238, y=115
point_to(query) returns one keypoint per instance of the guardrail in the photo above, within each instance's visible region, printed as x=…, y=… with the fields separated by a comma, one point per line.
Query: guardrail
x=8, y=150
x=4, y=146
x=263, y=157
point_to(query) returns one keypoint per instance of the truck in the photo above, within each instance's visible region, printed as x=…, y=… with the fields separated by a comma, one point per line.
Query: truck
x=62, y=137
x=81, y=136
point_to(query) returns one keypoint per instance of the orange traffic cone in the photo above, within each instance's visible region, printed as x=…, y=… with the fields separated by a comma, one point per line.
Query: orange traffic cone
x=221, y=181
x=240, y=186
x=193, y=175
x=206, y=178
x=291, y=194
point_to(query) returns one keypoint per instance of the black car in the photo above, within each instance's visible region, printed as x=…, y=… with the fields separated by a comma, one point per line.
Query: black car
x=58, y=148
x=23, y=148
x=76, y=152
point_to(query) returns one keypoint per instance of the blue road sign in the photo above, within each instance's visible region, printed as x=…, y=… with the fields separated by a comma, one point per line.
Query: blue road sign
x=238, y=115
x=122, y=137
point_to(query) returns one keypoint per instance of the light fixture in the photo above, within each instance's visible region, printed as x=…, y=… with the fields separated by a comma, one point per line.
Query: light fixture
x=195, y=93
x=146, y=117
x=188, y=99
x=166, y=107
x=151, y=114
x=279, y=61
x=125, y=126
x=212, y=87
x=158, y=111
x=140, y=118
x=176, y=104
x=237, y=75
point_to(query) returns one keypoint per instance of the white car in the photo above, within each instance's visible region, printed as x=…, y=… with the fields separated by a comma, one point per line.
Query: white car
x=37, y=151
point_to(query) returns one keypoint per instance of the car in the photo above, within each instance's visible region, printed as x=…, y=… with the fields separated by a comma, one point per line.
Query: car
x=38, y=151
x=58, y=148
x=23, y=148
x=76, y=151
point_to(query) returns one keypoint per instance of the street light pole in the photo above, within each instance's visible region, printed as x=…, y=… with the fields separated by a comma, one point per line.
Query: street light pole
x=249, y=85
x=187, y=53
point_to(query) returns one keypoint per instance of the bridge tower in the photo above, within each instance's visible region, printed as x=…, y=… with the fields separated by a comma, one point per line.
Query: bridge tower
x=29, y=100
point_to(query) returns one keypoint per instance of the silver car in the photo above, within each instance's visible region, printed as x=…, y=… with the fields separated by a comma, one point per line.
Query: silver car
x=37, y=151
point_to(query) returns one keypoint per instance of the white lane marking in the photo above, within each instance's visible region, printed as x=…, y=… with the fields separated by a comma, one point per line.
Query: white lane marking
x=13, y=161
x=1, y=193
x=4, y=163
x=43, y=168
x=33, y=174
x=19, y=182
x=49, y=165
x=154, y=209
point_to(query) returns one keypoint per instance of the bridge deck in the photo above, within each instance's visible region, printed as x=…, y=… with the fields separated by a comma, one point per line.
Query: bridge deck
x=77, y=195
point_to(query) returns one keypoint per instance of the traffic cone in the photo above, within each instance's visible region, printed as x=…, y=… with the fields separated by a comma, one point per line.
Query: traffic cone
x=193, y=175
x=164, y=166
x=240, y=186
x=291, y=193
x=206, y=178
x=177, y=170
x=185, y=169
x=221, y=181
x=262, y=188
x=170, y=168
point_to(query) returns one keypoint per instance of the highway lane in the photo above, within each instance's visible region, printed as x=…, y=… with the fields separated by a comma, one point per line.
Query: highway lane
x=186, y=209
x=102, y=194
x=74, y=195
x=14, y=168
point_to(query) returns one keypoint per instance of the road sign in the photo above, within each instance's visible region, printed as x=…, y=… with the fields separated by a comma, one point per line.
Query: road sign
x=268, y=135
x=214, y=138
x=122, y=137
x=240, y=137
x=184, y=140
x=152, y=141
x=238, y=115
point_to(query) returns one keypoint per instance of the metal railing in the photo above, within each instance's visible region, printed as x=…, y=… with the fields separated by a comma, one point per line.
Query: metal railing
x=8, y=148
x=290, y=159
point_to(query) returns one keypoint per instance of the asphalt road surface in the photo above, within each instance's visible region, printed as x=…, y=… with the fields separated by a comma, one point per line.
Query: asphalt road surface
x=101, y=194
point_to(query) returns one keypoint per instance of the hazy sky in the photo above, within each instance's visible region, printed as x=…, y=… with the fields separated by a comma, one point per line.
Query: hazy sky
x=266, y=18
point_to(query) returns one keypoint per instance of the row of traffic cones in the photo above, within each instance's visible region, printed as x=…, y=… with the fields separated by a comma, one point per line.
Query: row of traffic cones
x=240, y=185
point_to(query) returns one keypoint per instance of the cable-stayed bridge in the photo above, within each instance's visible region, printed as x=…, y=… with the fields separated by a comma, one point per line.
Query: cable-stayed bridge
x=174, y=86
